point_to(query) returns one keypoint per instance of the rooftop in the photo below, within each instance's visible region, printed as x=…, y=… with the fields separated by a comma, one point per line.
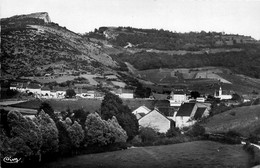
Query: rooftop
x=200, y=111
x=185, y=109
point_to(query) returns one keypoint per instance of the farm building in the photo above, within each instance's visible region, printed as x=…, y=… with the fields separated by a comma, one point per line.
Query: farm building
x=156, y=120
x=141, y=109
x=189, y=113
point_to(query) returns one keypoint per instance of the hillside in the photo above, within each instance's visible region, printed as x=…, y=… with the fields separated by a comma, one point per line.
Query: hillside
x=32, y=45
x=185, y=155
x=245, y=120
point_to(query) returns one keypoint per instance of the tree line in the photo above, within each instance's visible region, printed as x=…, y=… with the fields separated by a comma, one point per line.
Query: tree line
x=67, y=133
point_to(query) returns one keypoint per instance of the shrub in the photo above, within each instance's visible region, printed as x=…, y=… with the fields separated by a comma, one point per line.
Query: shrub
x=148, y=134
x=172, y=132
x=196, y=130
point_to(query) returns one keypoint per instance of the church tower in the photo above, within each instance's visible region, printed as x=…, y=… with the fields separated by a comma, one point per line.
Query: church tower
x=220, y=91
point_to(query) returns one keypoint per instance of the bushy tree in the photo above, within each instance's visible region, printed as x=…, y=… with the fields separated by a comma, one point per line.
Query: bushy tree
x=70, y=93
x=148, y=134
x=46, y=107
x=96, y=131
x=111, y=106
x=196, y=130
x=50, y=138
x=172, y=132
x=76, y=134
x=25, y=136
x=118, y=132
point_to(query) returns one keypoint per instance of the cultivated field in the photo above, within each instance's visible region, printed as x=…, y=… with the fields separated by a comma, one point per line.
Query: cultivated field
x=244, y=120
x=198, y=154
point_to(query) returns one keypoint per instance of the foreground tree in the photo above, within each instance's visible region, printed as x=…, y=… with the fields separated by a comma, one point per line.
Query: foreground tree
x=50, y=138
x=96, y=131
x=25, y=137
x=76, y=134
x=111, y=106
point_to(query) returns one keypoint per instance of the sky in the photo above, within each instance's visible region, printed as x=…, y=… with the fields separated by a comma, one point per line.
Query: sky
x=81, y=16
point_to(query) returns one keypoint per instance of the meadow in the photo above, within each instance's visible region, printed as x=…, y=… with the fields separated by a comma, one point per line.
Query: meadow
x=244, y=120
x=191, y=154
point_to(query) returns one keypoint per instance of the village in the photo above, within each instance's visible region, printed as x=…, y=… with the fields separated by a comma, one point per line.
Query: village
x=178, y=109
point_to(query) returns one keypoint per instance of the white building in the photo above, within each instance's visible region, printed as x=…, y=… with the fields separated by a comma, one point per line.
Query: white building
x=34, y=88
x=141, y=111
x=124, y=93
x=45, y=92
x=178, y=98
x=189, y=113
x=156, y=120
x=222, y=96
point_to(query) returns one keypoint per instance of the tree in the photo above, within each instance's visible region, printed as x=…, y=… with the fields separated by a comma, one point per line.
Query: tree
x=148, y=134
x=172, y=132
x=70, y=93
x=25, y=136
x=118, y=132
x=50, y=137
x=96, y=131
x=76, y=134
x=111, y=106
x=195, y=94
x=236, y=97
x=48, y=110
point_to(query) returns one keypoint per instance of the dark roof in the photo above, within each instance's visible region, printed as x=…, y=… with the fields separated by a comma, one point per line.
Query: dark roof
x=141, y=114
x=200, y=111
x=167, y=111
x=185, y=109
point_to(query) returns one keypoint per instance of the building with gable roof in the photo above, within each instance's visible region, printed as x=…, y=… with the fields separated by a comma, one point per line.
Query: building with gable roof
x=141, y=109
x=183, y=117
x=156, y=120
x=190, y=113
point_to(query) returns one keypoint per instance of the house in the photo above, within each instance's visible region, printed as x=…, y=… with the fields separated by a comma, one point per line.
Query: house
x=141, y=109
x=156, y=120
x=189, y=113
x=34, y=88
x=222, y=96
x=21, y=86
x=139, y=115
x=124, y=93
x=200, y=113
x=201, y=99
x=13, y=86
x=45, y=92
x=184, y=116
x=177, y=98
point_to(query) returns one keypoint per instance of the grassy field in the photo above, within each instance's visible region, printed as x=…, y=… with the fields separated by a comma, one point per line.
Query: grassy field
x=244, y=120
x=185, y=155
x=90, y=105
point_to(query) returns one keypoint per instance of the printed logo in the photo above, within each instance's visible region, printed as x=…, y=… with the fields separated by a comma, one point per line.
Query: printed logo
x=10, y=159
